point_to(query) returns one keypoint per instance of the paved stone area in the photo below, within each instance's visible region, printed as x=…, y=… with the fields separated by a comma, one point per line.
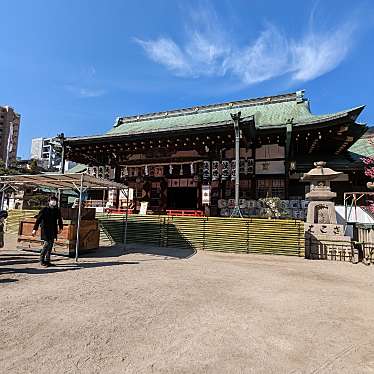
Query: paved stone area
x=162, y=311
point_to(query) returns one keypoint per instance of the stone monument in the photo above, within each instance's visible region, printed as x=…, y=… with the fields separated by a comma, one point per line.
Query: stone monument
x=324, y=238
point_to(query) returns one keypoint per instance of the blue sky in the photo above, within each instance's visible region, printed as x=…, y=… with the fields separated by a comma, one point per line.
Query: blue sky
x=73, y=66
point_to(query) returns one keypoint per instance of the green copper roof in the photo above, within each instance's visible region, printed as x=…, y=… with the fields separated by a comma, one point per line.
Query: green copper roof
x=267, y=112
x=271, y=111
x=79, y=168
x=362, y=147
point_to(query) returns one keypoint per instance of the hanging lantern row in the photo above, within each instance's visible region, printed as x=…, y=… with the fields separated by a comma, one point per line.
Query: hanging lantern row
x=105, y=172
x=153, y=170
x=213, y=170
x=226, y=169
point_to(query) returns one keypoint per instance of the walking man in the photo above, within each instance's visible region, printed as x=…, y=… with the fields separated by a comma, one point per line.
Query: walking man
x=50, y=221
x=3, y=217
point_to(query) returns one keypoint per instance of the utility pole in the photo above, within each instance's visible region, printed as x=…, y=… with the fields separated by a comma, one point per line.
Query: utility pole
x=236, y=119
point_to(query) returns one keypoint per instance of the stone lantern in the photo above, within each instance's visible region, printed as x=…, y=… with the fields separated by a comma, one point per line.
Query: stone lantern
x=324, y=238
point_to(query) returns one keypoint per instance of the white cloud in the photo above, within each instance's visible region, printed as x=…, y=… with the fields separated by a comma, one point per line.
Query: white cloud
x=265, y=58
x=167, y=53
x=317, y=54
x=84, y=92
x=89, y=92
x=208, y=51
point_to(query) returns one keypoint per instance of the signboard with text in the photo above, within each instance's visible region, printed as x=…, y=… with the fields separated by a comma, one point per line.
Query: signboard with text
x=205, y=194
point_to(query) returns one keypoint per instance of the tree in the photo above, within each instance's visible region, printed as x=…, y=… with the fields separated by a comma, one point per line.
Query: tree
x=369, y=172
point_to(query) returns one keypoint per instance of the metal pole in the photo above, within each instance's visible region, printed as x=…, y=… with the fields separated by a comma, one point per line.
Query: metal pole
x=127, y=215
x=236, y=119
x=237, y=155
x=345, y=212
x=2, y=197
x=79, y=218
x=59, y=197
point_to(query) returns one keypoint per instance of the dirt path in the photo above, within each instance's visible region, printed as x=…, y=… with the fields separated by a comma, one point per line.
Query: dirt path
x=200, y=313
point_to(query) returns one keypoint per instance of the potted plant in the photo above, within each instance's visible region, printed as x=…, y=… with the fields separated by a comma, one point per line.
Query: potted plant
x=272, y=207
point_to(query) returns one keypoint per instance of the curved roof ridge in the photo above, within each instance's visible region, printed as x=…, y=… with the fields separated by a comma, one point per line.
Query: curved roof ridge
x=355, y=110
x=264, y=100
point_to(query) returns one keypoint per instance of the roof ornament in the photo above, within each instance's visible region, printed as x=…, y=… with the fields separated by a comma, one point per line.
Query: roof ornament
x=300, y=96
x=118, y=122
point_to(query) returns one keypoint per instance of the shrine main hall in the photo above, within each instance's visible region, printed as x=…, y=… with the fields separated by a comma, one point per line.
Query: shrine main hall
x=170, y=157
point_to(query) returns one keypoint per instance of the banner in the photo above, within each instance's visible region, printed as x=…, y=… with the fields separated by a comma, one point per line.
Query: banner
x=225, y=170
x=215, y=170
x=143, y=208
x=206, y=170
x=233, y=170
x=205, y=194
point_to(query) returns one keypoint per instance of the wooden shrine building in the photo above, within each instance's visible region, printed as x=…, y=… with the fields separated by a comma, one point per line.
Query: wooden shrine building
x=168, y=158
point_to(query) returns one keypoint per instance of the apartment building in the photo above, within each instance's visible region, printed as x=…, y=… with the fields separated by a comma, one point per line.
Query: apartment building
x=9, y=132
x=45, y=153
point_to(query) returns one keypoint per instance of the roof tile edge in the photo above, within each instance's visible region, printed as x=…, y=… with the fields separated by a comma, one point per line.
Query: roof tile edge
x=265, y=100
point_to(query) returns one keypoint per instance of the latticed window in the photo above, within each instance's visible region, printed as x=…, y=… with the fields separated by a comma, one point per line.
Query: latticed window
x=245, y=189
x=155, y=194
x=271, y=188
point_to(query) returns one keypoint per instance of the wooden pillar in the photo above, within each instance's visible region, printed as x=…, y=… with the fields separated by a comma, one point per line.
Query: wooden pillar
x=117, y=177
x=252, y=133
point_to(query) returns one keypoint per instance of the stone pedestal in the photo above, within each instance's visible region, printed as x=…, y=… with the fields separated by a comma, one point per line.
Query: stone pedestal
x=328, y=242
x=324, y=238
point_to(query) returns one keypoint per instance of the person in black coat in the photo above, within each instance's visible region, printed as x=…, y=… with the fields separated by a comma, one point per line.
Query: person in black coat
x=50, y=221
x=3, y=217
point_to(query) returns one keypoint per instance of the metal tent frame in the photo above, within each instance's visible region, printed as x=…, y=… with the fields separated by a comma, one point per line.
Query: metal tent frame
x=79, y=182
x=351, y=200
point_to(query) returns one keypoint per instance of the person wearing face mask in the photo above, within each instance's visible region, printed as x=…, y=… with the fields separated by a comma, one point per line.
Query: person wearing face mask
x=3, y=217
x=50, y=221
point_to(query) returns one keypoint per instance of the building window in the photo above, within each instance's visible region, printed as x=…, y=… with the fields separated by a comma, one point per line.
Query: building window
x=155, y=195
x=244, y=189
x=271, y=188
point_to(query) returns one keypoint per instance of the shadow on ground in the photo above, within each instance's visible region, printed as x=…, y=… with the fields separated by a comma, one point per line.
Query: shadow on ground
x=28, y=263
x=7, y=280
x=167, y=253
x=62, y=267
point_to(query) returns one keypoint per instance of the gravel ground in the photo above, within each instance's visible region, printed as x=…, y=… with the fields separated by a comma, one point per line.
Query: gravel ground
x=151, y=311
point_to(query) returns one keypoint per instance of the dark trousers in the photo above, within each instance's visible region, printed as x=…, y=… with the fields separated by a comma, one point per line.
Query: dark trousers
x=45, y=254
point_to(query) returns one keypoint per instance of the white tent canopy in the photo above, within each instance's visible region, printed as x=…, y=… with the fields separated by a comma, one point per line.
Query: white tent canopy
x=60, y=181
x=79, y=182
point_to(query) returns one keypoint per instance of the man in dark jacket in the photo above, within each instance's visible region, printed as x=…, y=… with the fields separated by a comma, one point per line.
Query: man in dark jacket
x=50, y=221
x=3, y=217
